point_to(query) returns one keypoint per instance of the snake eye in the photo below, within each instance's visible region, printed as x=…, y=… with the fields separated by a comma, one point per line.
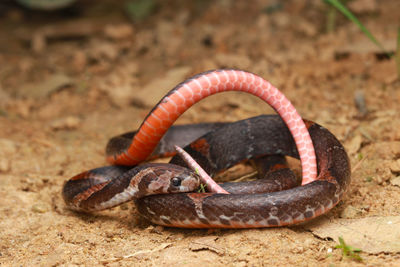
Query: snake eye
x=176, y=181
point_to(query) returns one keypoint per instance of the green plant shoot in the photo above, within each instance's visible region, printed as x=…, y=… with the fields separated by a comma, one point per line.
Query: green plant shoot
x=349, y=251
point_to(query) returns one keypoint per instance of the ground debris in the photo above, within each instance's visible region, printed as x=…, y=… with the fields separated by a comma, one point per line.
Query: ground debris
x=207, y=243
x=118, y=31
x=5, y=165
x=354, y=145
x=363, y=6
x=138, y=253
x=370, y=234
x=395, y=166
x=67, y=123
x=44, y=88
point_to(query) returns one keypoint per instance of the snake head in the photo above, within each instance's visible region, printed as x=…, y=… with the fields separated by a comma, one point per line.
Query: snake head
x=168, y=178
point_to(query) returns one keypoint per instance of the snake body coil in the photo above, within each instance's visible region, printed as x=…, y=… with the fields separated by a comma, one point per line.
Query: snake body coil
x=217, y=146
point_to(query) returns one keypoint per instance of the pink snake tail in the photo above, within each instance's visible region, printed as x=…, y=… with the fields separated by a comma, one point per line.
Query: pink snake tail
x=186, y=94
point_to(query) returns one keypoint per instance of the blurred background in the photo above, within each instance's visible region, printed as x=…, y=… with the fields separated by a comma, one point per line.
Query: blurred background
x=74, y=73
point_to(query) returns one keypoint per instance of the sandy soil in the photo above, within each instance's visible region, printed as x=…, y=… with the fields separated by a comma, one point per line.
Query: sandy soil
x=71, y=80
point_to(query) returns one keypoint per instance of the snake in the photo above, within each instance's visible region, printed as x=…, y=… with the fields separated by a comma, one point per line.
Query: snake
x=164, y=193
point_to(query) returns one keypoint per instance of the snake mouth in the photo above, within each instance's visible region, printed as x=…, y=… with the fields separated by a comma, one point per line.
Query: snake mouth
x=189, y=183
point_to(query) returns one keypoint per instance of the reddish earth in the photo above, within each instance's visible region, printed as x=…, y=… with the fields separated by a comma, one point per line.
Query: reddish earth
x=71, y=80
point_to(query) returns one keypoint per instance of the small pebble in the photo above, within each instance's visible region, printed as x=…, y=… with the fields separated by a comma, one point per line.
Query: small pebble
x=359, y=101
x=395, y=166
x=79, y=61
x=124, y=206
x=67, y=123
x=7, y=146
x=383, y=175
x=298, y=249
x=349, y=212
x=40, y=208
x=5, y=165
x=240, y=264
x=157, y=229
x=38, y=43
x=395, y=181
x=355, y=144
x=120, y=31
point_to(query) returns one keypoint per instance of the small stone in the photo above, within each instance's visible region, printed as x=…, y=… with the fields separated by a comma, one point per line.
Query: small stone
x=382, y=175
x=67, y=123
x=395, y=166
x=124, y=206
x=298, y=249
x=22, y=108
x=395, y=181
x=121, y=95
x=158, y=229
x=7, y=147
x=363, y=6
x=395, y=149
x=79, y=61
x=44, y=88
x=38, y=43
x=349, y=212
x=308, y=242
x=359, y=101
x=150, y=228
x=354, y=144
x=207, y=243
x=307, y=28
x=5, y=165
x=4, y=97
x=282, y=21
x=117, y=32
x=240, y=264
x=363, y=191
x=40, y=208
x=105, y=50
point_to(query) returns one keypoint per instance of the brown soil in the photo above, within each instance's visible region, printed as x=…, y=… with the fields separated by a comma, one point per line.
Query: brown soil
x=71, y=80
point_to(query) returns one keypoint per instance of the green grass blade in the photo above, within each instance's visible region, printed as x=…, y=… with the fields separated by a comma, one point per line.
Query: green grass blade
x=337, y=4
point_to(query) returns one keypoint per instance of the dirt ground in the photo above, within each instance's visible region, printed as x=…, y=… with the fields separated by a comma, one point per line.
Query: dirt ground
x=70, y=80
